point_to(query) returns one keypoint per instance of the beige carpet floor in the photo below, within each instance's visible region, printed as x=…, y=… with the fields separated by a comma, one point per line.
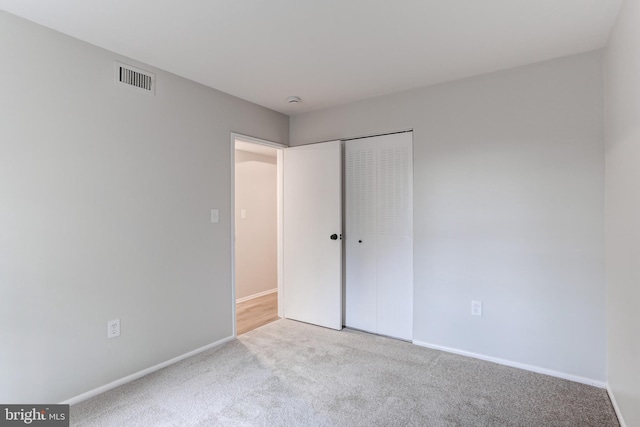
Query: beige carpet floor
x=293, y=374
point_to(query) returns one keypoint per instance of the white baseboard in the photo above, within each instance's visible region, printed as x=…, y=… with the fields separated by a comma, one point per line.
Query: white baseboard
x=537, y=369
x=258, y=295
x=140, y=374
x=616, y=408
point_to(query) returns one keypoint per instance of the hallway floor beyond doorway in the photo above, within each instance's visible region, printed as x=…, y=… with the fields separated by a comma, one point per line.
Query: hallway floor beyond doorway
x=256, y=312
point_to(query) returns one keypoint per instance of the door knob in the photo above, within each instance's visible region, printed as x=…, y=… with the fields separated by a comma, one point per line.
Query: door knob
x=334, y=237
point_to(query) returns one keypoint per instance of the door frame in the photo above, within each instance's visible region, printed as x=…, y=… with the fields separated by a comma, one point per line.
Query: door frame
x=279, y=183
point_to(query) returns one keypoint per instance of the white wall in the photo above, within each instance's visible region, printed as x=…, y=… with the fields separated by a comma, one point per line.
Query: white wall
x=509, y=209
x=256, y=235
x=105, y=198
x=622, y=85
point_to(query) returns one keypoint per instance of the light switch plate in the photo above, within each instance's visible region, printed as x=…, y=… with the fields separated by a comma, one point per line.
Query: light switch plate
x=215, y=216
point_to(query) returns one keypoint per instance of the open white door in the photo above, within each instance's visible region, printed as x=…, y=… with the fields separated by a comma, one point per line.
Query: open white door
x=312, y=234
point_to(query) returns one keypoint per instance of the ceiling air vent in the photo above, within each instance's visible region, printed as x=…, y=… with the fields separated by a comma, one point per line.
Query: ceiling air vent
x=135, y=78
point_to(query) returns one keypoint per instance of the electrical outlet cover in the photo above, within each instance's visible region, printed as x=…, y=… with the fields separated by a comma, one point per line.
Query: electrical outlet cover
x=113, y=328
x=476, y=308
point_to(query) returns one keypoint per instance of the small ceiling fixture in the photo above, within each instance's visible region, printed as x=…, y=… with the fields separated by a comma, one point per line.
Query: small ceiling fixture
x=294, y=100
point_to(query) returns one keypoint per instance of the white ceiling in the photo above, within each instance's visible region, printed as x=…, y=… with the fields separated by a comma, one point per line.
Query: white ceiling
x=328, y=52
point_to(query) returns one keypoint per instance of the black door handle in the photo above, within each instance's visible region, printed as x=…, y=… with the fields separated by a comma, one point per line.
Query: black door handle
x=334, y=237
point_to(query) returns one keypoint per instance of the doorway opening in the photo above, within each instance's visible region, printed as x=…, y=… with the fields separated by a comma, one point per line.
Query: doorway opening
x=257, y=232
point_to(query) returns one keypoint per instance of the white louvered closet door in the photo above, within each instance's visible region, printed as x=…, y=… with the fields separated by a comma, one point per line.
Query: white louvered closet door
x=379, y=235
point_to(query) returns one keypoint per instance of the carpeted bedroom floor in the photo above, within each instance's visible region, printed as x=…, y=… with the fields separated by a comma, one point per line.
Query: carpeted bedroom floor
x=293, y=374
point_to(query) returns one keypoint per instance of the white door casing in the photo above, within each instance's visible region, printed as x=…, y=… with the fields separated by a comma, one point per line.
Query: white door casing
x=312, y=214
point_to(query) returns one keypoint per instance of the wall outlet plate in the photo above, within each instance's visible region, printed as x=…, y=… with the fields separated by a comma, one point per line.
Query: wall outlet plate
x=476, y=308
x=113, y=328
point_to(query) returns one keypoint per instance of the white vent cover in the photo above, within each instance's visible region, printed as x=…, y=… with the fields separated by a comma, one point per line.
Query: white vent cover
x=135, y=78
